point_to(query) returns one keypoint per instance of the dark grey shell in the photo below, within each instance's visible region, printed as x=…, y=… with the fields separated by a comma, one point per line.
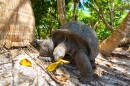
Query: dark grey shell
x=84, y=32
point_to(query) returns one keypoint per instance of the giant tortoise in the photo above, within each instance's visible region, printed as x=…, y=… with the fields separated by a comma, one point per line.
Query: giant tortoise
x=78, y=40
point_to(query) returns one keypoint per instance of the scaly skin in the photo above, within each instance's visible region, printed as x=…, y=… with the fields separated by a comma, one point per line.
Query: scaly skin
x=46, y=49
x=80, y=57
x=71, y=46
x=47, y=52
x=84, y=65
x=80, y=41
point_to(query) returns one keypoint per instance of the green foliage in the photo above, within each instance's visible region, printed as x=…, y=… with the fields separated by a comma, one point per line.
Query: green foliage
x=45, y=12
x=102, y=31
x=47, y=19
x=108, y=9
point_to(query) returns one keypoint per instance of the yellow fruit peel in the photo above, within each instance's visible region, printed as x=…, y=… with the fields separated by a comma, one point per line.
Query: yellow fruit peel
x=53, y=65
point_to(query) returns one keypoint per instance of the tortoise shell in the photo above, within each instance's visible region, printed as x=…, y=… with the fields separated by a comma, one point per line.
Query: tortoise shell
x=83, y=33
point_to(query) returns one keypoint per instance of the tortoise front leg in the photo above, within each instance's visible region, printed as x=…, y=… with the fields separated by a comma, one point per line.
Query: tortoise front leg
x=93, y=63
x=84, y=65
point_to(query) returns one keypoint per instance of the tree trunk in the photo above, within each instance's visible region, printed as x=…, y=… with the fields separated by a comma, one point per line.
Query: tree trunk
x=62, y=11
x=16, y=23
x=126, y=41
x=110, y=43
x=75, y=8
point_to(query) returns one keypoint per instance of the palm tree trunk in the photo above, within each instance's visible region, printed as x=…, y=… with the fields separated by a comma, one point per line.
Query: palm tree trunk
x=16, y=23
x=62, y=11
x=126, y=41
x=110, y=43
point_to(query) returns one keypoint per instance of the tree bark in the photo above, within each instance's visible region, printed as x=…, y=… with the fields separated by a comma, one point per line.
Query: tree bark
x=110, y=43
x=16, y=23
x=126, y=41
x=75, y=8
x=62, y=11
x=102, y=16
x=111, y=7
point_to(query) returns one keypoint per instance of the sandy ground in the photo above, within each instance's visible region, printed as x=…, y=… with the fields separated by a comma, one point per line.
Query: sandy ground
x=110, y=71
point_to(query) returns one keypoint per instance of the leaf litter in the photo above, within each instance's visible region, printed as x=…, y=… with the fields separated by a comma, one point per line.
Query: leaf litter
x=110, y=71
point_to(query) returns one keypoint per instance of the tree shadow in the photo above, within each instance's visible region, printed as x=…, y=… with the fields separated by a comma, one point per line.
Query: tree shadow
x=114, y=71
x=108, y=71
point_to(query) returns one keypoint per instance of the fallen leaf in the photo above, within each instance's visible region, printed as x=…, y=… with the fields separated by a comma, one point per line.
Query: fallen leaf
x=103, y=72
x=4, y=75
x=63, y=79
x=53, y=66
x=95, y=76
x=125, y=74
x=108, y=65
x=63, y=61
x=25, y=62
x=7, y=84
x=96, y=63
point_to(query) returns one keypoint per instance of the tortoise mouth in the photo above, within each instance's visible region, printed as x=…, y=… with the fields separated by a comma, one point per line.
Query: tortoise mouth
x=62, y=33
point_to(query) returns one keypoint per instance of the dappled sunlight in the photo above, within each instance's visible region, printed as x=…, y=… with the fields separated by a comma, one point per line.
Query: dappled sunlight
x=110, y=71
x=15, y=74
x=114, y=70
x=20, y=53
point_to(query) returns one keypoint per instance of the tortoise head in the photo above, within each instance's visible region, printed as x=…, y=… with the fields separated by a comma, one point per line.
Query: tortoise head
x=46, y=47
x=59, y=52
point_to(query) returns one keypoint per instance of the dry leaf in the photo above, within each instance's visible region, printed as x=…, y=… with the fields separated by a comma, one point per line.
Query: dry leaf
x=53, y=66
x=7, y=84
x=26, y=62
x=103, y=72
x=108, y=65
x=4, y=75
x=95, y=75
x=125, y=74
x=63, y=79
x=63, y=61
x=96, y=63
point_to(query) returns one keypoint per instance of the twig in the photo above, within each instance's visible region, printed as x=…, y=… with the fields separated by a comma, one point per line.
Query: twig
x=7, y=62
x=40, y=64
